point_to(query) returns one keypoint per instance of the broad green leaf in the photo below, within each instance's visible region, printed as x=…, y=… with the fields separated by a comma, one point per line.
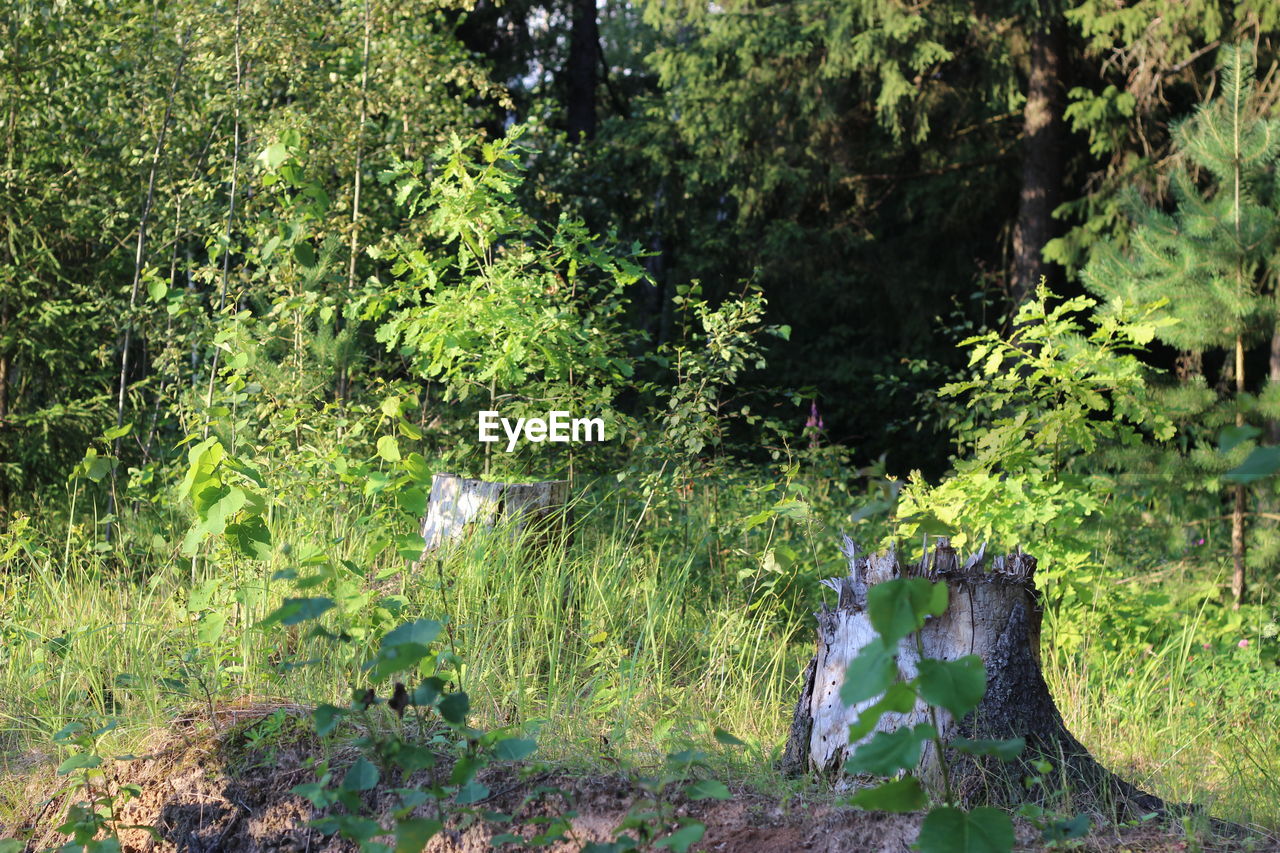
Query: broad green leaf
x=957, y=685
x=900, y=697
x=951, y=830
x=727, y=739
x=1062, y=830
x=1261, y=463
x=211, y=626
x=117, y=432
x=514, y=749
x=870, y=673
x=84, y=760
x=899, y=606
x=889, y=752
x=359, y=828
x=929, y=523
x=396, y=658
x=454, y=707
x=12, y=845
x=472, y=792
x=361, y=776
x=296, y=610
x=273, y=155
x=1233, y=436
x=1005, y=750
x=683, y=838
x=304, y=254
x=251, y=537
x=421, y=632
x=901, y=795
x=704, y=789
x=388, y=449
x=327, y=718
x=412, y=835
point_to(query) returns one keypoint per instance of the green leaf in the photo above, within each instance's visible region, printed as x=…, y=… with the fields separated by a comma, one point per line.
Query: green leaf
x=361, y=776
x=327, y=718
x=454, y=707
x=304, y=254
x=950, y=830
x=296, y=610
x=412, y=835
x=957, y=685
x=901, y=795
x=899, y=606
x=117, y=432
x=12, y=845
x=1005, y=750
x=421, y=632
x=402, y=648
x=870, y=673
x=1261, y=463
x=251, y=537
x=1233, y=436
x=514, y=749
x=273, y=155
x=727, y=739
x=927, y=522
x=889, y=752
x=84, y=760
x=900, y=698
x=388, y=449
x=1062, y=830
x=683, y=838
x=708, y=789
x=470, y=793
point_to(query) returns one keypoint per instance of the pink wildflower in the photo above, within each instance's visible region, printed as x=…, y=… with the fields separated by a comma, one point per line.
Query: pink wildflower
x=1244, y=644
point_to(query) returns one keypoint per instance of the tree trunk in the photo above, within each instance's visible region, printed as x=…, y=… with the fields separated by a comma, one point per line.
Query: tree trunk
x=4, y=414
x=993, y=612
x=584, y=59
x=1043, y=157
x=1237, y=514
x=457, y=503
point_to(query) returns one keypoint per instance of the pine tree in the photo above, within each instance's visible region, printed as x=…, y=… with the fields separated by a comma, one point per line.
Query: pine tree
x=1211, y=256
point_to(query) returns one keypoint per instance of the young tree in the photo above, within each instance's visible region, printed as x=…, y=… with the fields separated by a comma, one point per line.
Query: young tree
x=1210, y=256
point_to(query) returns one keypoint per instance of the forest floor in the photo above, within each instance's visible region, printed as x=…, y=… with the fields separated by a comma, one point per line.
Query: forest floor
x=208, y=789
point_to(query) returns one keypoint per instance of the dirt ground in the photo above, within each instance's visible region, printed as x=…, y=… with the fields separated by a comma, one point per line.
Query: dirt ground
x=206, y=791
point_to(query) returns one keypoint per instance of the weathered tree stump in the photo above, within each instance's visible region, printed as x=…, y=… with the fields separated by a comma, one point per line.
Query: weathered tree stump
x=457, y=504
x=993, y=612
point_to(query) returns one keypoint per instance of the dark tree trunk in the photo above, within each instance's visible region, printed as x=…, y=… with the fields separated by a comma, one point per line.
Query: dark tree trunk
x=1043, y=157
x=4, y=414
x=1273, y=375
x=486, y=30
x=581, y=72
x=993, y=612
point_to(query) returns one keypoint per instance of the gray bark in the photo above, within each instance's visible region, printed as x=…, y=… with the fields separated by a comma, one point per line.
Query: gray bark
x=994, y=613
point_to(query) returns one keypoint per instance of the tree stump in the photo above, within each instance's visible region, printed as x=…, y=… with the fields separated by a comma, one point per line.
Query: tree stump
x=993, y=612
x=457, y=503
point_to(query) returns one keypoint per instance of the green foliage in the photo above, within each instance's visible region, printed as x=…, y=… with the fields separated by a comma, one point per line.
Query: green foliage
x=495, y=309
x=1040, y=405
x=897, y=609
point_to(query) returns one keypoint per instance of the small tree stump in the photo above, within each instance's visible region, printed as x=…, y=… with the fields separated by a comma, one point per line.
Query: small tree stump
x=992, y=612
x=457, y=503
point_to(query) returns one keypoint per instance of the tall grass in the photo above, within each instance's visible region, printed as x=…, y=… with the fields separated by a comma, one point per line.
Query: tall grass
x=606, y=645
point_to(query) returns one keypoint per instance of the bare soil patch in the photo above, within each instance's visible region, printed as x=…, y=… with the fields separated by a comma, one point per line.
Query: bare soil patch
x=207, y=791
